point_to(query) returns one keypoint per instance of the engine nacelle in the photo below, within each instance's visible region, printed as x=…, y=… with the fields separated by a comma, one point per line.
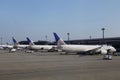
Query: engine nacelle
x=103, y=51
x=12, y=50
x=107, y=49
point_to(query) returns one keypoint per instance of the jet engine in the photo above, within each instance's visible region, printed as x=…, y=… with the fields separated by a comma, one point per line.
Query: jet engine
x=103, y=51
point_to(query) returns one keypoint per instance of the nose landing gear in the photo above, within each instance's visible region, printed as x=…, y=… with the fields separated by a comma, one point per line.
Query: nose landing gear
x=107, y=56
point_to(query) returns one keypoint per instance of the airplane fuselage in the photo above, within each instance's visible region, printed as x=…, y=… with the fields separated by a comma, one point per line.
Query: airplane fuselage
x=87, y=48
x=41, y=47
x=79, y=48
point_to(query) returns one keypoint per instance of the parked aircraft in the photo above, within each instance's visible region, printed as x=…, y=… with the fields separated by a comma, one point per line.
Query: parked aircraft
x=103, y=49
x=38, y=47
x=6, y=46
x=17, y=45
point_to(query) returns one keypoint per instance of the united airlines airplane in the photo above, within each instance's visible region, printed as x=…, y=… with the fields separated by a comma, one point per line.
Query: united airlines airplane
x=6, y=46
x=103, y=49
x=38, y=47
x=17, y=45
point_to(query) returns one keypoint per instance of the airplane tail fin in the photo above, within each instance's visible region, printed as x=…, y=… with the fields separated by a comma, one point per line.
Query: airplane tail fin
x=58, y=40
x=14, y=41
x=30, y=41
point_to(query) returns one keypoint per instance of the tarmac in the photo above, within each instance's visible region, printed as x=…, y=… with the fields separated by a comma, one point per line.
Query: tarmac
x=53, y=66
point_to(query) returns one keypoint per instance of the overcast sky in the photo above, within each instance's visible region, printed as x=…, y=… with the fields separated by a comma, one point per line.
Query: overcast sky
x=38, y=18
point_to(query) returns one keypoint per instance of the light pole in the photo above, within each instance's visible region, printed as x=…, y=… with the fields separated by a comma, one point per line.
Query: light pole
x=1, y=40
x=103, y=29
x=46, y=37
x=68, y=36
x=90, y=37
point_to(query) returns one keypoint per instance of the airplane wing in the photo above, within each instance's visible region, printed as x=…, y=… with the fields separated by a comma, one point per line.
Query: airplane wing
x=95, y=49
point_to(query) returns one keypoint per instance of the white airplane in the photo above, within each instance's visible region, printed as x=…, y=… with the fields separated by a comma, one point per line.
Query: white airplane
x=103, y=49
x=38, y=47
x=12, y=48
x=17, y=45
x=6, y=46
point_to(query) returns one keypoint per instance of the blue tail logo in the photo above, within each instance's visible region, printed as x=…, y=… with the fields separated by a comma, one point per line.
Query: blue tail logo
x=14, y=41
x=56, y=37
x=58, y=40
x=29, y=41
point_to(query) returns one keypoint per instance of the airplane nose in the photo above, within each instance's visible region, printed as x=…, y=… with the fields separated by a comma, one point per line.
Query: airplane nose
x=114, y=50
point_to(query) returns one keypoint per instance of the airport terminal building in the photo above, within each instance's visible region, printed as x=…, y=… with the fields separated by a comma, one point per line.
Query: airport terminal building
x=114, y=41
